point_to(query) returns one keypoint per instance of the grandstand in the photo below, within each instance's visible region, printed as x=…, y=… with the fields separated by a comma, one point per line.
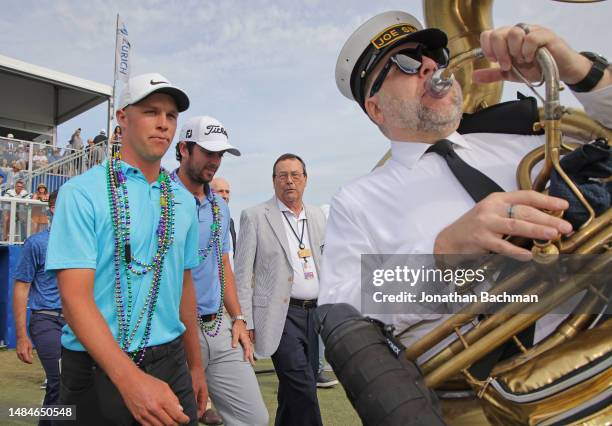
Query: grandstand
x=34, y=102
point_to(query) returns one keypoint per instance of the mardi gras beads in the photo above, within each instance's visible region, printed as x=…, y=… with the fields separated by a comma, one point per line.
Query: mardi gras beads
x=214, y=244
x=124, y=259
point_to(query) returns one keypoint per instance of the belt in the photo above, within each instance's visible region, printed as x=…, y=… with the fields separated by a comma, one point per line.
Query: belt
x=152, y=354
x=157, y=352
x=208, y=318
x=49, y=312
x=304, y=304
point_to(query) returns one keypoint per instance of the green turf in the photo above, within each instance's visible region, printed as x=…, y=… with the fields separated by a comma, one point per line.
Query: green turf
x=19, y=386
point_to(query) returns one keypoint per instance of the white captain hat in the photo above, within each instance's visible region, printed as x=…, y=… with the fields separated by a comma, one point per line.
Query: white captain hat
x=371, y=41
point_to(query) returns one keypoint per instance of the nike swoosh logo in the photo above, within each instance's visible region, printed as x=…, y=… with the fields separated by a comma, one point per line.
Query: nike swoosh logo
x=153, y=83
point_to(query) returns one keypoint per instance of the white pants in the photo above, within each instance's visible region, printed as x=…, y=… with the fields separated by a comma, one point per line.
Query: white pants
x=232, y=384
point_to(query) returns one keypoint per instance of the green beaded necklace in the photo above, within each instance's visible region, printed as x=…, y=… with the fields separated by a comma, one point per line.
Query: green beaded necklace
x=212, y=328
x=123, y=259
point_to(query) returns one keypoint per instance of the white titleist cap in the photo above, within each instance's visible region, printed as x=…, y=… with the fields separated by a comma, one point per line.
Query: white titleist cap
x=139, y=87
x=208, y=133
x=371, y=41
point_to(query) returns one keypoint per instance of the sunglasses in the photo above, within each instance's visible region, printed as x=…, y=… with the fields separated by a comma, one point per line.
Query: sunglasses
x=409, y=61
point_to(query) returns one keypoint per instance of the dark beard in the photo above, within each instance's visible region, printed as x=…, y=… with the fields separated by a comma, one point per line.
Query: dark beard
x=196, y=175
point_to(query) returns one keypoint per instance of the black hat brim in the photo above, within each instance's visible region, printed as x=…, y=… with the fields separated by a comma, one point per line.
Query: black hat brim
x=432, y=38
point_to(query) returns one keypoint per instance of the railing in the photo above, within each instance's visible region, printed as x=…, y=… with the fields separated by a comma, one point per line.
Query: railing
x=55, y=174
x=21, y=217
x=28, y=155
x=41, y=163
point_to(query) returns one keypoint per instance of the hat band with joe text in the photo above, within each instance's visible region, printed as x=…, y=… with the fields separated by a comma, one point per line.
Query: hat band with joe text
x=391, y=34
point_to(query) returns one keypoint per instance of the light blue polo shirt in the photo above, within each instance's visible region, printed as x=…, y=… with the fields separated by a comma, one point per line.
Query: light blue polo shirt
x=82, y=236
x=206, y=275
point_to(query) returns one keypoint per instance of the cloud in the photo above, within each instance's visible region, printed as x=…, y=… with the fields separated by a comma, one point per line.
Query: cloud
x=264, y=68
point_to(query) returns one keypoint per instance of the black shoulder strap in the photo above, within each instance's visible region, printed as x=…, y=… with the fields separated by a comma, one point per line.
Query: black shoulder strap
x=513, y=117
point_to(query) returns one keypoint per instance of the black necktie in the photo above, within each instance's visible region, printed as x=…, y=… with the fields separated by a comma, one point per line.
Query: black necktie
x=479, y=185
x=476, y=183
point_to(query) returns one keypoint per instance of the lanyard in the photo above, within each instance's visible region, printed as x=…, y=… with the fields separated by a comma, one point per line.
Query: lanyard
x=300, y=238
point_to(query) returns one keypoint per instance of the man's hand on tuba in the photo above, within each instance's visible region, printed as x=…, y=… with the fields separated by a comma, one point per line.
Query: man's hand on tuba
x=517, y=213
x=517, y=46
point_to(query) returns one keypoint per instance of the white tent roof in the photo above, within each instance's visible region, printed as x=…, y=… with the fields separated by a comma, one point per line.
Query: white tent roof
x=34, y=94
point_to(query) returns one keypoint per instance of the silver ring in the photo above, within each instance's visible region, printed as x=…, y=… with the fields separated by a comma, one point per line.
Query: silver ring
x=523, y=27
x=511, y=211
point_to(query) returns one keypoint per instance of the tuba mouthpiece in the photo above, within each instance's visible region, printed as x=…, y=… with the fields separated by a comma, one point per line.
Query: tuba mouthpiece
x=438, y=86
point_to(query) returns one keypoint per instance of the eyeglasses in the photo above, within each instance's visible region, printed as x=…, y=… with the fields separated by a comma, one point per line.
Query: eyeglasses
x=296, y=176
x=409, y=61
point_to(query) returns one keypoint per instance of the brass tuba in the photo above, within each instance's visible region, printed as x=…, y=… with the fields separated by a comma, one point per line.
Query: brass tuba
x=516, y=389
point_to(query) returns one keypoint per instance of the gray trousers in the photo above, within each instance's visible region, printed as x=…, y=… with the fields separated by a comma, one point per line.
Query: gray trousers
x=232, y=384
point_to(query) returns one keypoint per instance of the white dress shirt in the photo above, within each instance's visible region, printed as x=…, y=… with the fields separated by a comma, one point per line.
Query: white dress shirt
x=230, y=253
x=401, y=207
x=302, y=288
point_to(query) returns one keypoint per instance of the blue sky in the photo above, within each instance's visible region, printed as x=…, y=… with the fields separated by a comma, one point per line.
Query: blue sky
x=263, y=68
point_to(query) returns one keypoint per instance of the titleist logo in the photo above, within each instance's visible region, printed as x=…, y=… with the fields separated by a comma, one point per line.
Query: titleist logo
x=212, y=128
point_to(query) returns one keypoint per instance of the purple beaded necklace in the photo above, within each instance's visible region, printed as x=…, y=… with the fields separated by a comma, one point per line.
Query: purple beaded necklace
x=212, y=328
x=123, y=259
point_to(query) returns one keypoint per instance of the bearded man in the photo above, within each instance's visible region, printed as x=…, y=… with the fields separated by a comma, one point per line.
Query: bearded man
x=417, y=202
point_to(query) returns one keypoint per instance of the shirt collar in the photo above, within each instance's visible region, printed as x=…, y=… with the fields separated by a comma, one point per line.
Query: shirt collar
x=408, y=153
x=283, y=208
x=134, y=172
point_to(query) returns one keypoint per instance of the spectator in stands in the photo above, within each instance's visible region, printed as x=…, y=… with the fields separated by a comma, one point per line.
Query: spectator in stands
x=9, y=155
x=39, y=160
x=3, y=149
x=76, y=142
x=116, y=139
x=54, y=155
x=49, y=154
x=100, y=136
x=95, y=154
x=10, y=144
x=38, y=288
x=89, y=148
x=18, y=191
x=40, y=221
x=23, y=154
x=15, y=174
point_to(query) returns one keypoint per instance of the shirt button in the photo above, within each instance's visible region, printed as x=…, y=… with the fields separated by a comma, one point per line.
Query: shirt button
x=285, y=301
x=290, y=279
